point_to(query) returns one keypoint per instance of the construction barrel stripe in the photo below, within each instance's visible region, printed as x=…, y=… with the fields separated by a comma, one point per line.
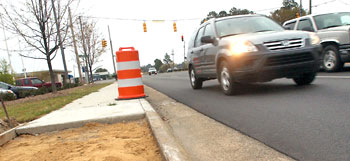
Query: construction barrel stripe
x=128, y=65
x=129, y=74
x=129, y=82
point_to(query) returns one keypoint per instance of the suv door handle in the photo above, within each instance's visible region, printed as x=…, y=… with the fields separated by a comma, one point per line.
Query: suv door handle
x=201, y=49
x=191, y=52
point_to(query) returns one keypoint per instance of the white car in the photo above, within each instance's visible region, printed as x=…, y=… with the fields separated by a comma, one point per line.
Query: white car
x=152, y=71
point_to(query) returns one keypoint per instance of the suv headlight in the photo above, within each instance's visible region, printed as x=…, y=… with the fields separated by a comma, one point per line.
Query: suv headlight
x=314, y=39
x=240, y=47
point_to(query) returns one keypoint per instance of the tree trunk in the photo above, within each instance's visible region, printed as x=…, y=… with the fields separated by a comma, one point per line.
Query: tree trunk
x=91, y=76
x=52, y=76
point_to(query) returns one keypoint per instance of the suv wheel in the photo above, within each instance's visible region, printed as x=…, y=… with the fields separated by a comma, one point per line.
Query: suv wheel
x=330, y=59
x=196, y=83
x=305, y=79
x=226, y=79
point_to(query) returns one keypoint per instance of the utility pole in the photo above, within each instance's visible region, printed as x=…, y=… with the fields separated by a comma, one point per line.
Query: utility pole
x=310, y=7
x=65, y=77
x=110, y=41
x=24, y=69
x=300, y=9
x=75, y=47
x=85, y=55
x=7, y=48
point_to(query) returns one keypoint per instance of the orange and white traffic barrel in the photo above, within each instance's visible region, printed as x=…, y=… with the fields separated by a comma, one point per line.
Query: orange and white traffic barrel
x=129, y=74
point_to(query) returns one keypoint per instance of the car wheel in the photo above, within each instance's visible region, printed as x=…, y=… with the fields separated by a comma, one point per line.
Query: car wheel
x=330, y=59
x=226, y=79
x=196, y=82
x=305, y=79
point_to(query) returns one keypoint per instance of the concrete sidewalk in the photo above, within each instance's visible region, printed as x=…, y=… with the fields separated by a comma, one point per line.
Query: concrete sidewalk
x=96, y=107
x=102, y=107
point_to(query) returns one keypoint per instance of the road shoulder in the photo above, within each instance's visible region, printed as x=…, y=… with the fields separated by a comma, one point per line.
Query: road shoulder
x=206, y=139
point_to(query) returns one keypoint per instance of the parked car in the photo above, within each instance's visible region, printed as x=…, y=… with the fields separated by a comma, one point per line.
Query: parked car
x=35, y=82
x=152, y=71
x=334, y=32
x=7, y=91
x=169, y=70
x=16, y=89
x=250, y=48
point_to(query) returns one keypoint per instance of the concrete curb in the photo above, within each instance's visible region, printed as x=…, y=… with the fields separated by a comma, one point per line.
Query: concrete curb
x=76, y=124
x=7, y=136
x=170, y=148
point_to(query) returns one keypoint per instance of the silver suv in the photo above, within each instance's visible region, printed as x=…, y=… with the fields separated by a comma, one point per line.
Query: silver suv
x=250, y=48
x=334, y=32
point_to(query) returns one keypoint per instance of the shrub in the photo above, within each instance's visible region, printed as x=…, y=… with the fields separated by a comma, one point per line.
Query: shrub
x=42, y=90
x=7, y=96
x=164, y=68
x=115, y=76
x=7, y=78
x=25, y=93
x=69, y=85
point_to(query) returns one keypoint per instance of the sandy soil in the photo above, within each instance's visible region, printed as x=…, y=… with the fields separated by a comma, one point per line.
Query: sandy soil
x=94, y=142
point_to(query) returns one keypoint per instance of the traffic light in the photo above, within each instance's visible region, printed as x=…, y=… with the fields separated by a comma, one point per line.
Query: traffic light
x=182, y=37
x=144, y=27
x=174, y=25
x=104, y=43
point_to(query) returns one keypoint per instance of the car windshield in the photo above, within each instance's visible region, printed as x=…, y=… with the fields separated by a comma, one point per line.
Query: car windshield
x=244, y=25
x=152, y=69
x=332, y=20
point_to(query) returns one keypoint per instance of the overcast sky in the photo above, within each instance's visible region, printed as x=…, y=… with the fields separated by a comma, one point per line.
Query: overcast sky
x=160, y=38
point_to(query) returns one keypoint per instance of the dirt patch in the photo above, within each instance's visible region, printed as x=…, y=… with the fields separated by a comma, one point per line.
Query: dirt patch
x=94, y=141
x=4, y=124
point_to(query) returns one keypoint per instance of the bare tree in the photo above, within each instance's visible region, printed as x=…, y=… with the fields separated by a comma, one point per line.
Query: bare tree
x=33, y=21
x=93, y=42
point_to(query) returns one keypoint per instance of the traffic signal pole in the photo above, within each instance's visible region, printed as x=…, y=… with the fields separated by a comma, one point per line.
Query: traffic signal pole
x=110, y=41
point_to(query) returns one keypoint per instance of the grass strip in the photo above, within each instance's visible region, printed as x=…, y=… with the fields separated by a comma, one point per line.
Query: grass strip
x=28, y=111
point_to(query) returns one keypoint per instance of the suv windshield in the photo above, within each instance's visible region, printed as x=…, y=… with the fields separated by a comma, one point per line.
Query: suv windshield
x=36, y=81
x=332, y=20
x=243, y=25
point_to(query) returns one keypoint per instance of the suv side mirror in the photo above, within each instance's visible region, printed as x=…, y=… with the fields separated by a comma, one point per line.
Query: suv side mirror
x=308, y=28
x=207, y=39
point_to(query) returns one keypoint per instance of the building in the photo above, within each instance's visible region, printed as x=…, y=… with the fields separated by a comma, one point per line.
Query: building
x=44, y=75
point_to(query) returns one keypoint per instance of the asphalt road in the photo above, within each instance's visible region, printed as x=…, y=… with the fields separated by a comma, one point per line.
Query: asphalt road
x=307, y=123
